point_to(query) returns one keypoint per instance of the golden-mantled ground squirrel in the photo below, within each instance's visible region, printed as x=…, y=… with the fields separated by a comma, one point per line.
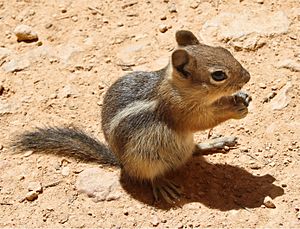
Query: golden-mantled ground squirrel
x=149, y=118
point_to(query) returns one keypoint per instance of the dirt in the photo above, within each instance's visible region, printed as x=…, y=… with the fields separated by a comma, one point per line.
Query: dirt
x=82, y=48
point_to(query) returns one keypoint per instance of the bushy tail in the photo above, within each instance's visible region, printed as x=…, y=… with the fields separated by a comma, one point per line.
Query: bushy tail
x=68, y=141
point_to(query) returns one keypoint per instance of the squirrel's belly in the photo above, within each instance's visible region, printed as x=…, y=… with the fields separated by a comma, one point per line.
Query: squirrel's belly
x=150, y=155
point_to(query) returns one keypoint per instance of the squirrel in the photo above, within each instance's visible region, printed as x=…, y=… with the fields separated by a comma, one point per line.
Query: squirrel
x=149, y=118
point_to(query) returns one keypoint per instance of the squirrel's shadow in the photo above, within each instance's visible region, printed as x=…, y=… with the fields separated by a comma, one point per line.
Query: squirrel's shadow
x=218, y=186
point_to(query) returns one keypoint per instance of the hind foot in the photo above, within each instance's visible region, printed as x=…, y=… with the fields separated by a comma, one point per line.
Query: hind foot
x=167, y=189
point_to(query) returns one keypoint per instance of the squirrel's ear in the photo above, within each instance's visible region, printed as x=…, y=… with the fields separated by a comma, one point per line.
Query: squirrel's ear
x=180, y=58
x=185, y=37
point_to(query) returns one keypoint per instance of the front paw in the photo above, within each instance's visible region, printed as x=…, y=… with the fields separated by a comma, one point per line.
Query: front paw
x=242, y=97
x=241, y=101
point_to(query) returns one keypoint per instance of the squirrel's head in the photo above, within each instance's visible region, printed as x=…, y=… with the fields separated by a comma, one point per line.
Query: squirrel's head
x=210, y=72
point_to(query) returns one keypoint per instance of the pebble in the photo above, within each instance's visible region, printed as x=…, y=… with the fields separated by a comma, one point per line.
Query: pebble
x=163, y=18
x=35, y=187
x=194, y=4
x=244, y=149
x=290, y=64
x=274, y=88
x=262, y=85
x=268, y=202
x=99, y=184
x=126, y=212
x=172, y=8
x=25, y=33
x=74, y=18
x=48, y=25
x=270, y=96
x=65, y=171
x=255, y=166
x=163, y=28
x=154, y=221
x=283, y=185
x=68, y=91
x=282, y=99
x=31, y=196
x=226, y=148
x=17, y=64
x=28, y=153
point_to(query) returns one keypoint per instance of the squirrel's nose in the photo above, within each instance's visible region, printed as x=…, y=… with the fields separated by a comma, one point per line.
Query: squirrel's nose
x=245, y=75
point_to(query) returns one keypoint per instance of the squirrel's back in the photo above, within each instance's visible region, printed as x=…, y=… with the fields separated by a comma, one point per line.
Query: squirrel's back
x=132, y=88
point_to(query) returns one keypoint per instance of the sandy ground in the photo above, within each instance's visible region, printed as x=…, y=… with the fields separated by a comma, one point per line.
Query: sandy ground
x=83, y=47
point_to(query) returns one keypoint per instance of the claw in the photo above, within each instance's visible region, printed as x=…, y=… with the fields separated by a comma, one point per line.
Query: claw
x=168, y=190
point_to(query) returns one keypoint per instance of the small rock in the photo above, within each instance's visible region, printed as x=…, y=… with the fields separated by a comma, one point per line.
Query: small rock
x=268, y=202
x=1, y=147
x=290, y=64
x=25, y=33
x=270, y=96
x=298, y=215
x=63, y=218
x=35, y=186
x=226, y=148
x=107, y=60
x=284, y=185
x=163, y=18
x=68, y=91
x=274, y=88
x=126, y=212
x=154, y=221
x=4, y=53
x=282, y=99
x=31, y=196
x=5, y=108
x=244, y=149
x=255, y=166
x=113, y=196
x=260, y=1
x=16, y=65
x=22, y=177
x=172, y=8
x=163, y=28
x=194, y=4
x=48, y=25
x=74, y=18
x=28, y=153
x=99, y=184
x=65, y=171
x=262, y=85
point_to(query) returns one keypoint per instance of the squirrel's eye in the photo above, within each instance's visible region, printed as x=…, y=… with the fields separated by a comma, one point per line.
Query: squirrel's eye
x=218, y=75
